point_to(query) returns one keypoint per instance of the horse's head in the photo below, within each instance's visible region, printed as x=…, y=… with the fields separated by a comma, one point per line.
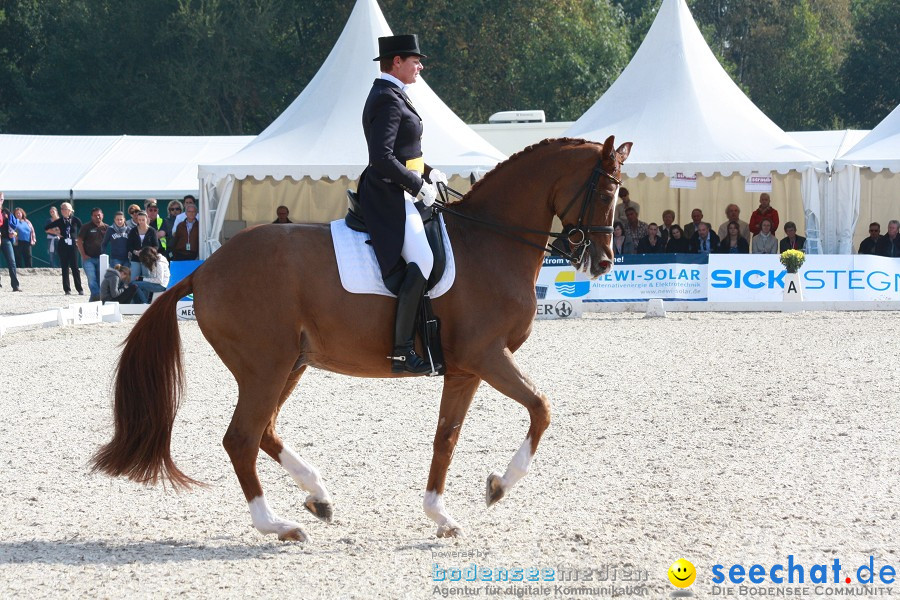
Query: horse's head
x=588, y=218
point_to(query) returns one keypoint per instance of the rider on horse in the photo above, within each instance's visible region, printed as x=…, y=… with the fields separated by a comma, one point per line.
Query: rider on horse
x=396, y=175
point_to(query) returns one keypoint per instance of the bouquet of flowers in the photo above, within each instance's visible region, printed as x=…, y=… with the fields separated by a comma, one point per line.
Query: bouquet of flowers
x=792, y=260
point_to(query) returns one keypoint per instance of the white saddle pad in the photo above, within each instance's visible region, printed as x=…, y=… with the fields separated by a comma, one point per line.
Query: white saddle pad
x=359, y=269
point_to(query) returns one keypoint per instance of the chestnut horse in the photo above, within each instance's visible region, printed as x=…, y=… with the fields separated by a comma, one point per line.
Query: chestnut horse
x=310, y=320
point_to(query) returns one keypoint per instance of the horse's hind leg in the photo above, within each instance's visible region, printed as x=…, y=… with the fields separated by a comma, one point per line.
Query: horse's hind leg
x=455, y=401
x=503, y=374
x=306, y=475
x=257, y=402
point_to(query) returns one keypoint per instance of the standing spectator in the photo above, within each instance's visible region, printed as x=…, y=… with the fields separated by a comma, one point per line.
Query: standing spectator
x=765, y=211
x=651, y=243
x=625, y=202
x=791, y=240
x=764, y=242
x=867, y=246
x=90, y=245
x=115, y=286
x=174, y=209
x=156, y=269
x=704, y=240
x=733, y=213
x=696, y=218
x=733, y=242
x=889, y=244
x=621, y=243
x=156, y=222
x=677, y=242
x=67, y=228
x=141, y=236
x=186, y=244
x=634, y=229
x=116, y=239
x=282, y=213
x=52, y=239
x=7, y=234
x=25, y=238
x=133, y=210
x=668, y=218
x=189, y=200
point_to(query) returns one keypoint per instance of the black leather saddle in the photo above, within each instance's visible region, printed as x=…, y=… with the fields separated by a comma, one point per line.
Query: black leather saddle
x=355, y=221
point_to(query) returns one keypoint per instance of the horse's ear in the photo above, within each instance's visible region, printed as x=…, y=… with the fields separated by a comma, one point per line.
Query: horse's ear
x=608, y=145
x=623, y=151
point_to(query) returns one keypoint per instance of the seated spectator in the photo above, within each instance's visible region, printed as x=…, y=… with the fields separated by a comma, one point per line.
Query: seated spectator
x=889, y=244
x=792, y=241
x=704, y=241
x=733, y=242
x=140, y=236
x=867, y=246
x=733, y=213
x=25, y=238
x=668, y=218
x=764, y=242
x=156, y=267
x=115, y=241
x=634, y=228
x=116, y=286
x=696, y=218
x=765, y=211
x=282, y=213
x=186, y=244
x=625, y=201
x=622, y=244
x=651, y=243
x=677, y=242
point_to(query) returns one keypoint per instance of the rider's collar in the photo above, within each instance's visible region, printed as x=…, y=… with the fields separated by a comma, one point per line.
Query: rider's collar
x=394, y=80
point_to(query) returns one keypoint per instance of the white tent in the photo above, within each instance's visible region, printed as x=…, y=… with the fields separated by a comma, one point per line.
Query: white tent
x=52, y=167
x=320, y=137
x=685, y=115
x=866, y=181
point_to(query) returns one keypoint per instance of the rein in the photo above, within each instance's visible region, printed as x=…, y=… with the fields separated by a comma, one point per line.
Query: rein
x=569, y=234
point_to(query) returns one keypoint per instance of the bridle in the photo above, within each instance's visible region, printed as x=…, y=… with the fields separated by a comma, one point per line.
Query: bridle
x=573, y=241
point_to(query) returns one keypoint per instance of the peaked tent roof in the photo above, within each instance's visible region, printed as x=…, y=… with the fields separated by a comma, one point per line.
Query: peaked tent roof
x=880, y=149
x=684, y=113
x=320, y=133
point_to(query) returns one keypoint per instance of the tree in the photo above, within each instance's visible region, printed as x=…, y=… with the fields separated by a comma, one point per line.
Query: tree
x=870, y=75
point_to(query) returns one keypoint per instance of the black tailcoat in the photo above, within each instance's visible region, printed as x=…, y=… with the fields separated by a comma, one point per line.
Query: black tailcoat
x=393, y=131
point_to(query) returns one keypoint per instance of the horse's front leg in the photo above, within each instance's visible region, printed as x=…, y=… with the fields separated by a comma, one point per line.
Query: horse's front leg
x=503, y=374
x=455, y=401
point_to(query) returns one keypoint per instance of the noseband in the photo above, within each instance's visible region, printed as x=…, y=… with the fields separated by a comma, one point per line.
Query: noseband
x=573, y=241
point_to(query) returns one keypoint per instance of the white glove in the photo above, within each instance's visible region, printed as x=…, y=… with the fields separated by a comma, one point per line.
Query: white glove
x=437, y=177
x=428, y=193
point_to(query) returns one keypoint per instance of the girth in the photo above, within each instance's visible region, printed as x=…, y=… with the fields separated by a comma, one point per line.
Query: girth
x=355, y=221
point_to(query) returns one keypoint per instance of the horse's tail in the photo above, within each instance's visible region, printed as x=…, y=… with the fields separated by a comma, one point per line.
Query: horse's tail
x=149, y=381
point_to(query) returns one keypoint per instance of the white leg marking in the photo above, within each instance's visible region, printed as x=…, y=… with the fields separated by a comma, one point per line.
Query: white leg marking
x=434, y=508
x=305, y=474
x=518, y=466
x=267, y=521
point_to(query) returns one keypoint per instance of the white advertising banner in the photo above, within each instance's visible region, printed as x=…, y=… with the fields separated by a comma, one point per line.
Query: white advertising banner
x=634, y=278
x=760, y=278
x=683, y=181
x=757, y=183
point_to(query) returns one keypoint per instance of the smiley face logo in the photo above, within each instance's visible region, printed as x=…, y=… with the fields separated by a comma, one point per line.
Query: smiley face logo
x=682, y=573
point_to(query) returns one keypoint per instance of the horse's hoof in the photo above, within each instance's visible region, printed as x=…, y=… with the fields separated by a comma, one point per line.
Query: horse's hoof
x=322, y=510
x=450, y=531
x=494, y=489
x=293, y=535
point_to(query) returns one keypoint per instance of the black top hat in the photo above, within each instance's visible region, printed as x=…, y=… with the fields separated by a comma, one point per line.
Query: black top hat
x=398, y=45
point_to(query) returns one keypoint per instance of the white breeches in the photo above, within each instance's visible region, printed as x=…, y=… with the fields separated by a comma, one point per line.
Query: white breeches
x=415, y=243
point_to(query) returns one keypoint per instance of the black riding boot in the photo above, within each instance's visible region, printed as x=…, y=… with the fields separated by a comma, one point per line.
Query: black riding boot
x=404, y=357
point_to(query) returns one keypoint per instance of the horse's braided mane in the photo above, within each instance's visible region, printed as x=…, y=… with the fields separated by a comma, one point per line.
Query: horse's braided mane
x=524, y=151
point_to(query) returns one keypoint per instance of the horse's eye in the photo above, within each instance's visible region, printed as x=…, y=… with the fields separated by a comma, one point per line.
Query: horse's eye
x=606, y=198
